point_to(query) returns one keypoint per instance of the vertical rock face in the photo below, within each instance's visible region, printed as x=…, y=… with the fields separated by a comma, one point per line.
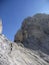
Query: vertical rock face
x=35, y=33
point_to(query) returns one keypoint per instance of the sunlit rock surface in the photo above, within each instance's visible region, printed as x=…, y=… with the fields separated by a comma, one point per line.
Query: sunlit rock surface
x=13, y=54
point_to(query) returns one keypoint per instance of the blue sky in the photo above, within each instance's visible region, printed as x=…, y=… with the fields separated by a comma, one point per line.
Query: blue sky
x=13, y=12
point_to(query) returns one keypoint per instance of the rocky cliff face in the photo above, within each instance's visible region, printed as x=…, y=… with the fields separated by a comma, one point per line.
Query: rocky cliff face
x=12, y=54
x=32, y=43
x=34, y=34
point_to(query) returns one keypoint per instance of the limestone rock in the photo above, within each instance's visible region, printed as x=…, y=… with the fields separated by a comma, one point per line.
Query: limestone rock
x=19, y=36
x=34, y=31
x=35, y=34
x=12, y=54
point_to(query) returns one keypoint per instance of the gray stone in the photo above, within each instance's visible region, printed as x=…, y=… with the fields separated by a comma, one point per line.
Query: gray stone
x=13, y=54
x=35, y=34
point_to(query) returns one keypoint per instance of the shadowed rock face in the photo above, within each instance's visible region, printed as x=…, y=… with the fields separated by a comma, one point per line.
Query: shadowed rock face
x=34, y=33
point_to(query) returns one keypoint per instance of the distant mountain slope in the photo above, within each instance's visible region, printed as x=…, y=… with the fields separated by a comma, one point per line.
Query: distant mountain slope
x=34, y=34
x=12, y=54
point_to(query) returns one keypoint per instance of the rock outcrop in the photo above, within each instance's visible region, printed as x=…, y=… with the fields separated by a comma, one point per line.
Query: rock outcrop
x=34, y=34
